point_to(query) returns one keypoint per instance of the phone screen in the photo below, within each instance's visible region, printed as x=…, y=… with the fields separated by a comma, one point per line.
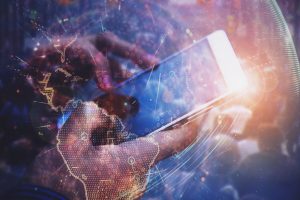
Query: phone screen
x=176, y=87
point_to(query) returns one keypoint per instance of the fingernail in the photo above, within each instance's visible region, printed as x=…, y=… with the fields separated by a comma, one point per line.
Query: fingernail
x=106, y=81
x=153, y=60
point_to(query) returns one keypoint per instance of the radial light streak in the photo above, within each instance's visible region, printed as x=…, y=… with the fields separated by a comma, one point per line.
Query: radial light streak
x=157, y=90
x=155, y=54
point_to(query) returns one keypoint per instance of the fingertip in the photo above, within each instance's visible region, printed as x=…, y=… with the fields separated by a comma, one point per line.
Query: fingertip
x=106, y=87
x=150, y=61
x=106, y=83
x=153, y=59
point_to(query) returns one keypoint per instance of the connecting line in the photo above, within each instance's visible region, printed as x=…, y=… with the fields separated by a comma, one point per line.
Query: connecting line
x=57, y=170
x=63, y=53
x=102, y=26
x=158, y=171
x=61, y=24
x=44, y=33
x=63, y=116
x=41, y=102
x=155, y=172
x=42, y=153
x=151, y=14
x=90, y=52
x=21, y=60
x=157, y=91
x=155, y=54
x=105, y=7
x=188, y=85
x=44, y=126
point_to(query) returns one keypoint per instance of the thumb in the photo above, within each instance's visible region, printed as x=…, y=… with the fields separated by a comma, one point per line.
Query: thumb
x=75, y=135
x=102, y=72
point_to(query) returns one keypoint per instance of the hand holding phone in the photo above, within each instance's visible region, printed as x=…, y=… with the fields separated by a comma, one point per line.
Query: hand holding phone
x=178, y=88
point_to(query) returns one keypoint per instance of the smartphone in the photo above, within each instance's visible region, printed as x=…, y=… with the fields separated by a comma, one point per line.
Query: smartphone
x=177, y=89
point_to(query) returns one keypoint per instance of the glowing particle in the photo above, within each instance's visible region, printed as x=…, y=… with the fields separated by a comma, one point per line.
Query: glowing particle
x=84, y=136
x=189, y=32
x=131, y=160
x=74, y=104
x=83, y=176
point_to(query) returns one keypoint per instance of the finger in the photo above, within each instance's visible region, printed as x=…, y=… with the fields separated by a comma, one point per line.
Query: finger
x=88, y=54
x=118, y=73
x=108, y=42
x=158, y=146
x=176, y=140
x=102, y=72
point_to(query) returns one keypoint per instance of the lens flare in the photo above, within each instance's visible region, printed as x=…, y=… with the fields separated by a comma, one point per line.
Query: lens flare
x=227, y=60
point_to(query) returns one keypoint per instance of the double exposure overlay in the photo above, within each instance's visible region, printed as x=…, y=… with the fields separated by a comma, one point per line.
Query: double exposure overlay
x=143, y=99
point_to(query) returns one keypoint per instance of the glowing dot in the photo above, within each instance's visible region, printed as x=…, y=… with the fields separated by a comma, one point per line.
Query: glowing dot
x=131, y=160
x=74, y=104
x=84, y=136
x=35, y=49
x=84, y=177
x=189, y=32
